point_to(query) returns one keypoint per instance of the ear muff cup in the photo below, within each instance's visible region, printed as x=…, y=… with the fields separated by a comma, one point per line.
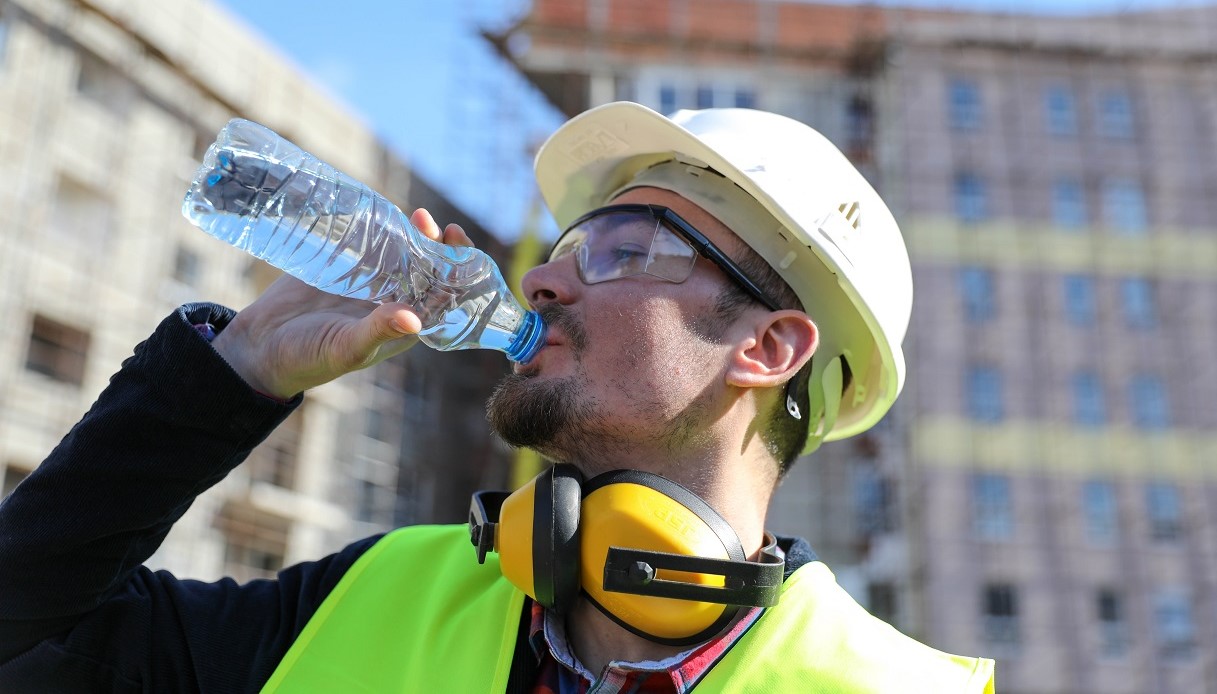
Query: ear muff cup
x=630, y=508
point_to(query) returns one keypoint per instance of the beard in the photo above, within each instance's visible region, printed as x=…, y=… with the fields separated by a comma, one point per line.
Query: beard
x=527, y=413
x=560, y=419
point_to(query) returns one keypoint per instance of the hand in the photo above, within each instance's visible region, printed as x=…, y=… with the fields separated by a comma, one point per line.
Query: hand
x=294, y=337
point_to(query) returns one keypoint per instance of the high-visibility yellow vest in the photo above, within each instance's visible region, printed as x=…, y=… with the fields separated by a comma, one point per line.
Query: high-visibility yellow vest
x=417, y=613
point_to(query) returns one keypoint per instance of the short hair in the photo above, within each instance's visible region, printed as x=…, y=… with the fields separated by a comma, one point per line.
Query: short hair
x=783, y=435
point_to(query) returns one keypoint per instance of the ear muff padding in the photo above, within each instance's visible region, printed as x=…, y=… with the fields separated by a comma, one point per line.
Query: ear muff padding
x=557, y=502
x=630, y=508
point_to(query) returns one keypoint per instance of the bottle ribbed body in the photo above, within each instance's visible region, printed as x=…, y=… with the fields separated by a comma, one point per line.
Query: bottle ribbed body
x=266, y=196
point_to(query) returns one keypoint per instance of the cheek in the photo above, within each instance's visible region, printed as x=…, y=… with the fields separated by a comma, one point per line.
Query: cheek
x=656, y=348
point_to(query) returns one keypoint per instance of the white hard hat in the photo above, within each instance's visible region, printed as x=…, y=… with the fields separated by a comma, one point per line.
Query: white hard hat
x=831, y=237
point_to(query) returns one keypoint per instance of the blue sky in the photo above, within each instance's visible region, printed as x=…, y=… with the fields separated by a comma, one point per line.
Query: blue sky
x=418, y=74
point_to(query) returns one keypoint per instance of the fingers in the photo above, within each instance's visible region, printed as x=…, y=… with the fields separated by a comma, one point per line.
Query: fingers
x=453, y=234
x=424, y=222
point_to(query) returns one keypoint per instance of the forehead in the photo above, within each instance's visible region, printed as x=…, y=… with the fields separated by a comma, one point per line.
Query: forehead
x=718, y=233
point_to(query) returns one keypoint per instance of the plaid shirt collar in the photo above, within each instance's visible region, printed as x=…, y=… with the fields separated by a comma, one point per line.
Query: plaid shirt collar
x=560, y=672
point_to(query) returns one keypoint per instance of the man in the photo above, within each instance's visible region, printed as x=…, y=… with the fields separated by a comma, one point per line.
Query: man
x=729, y=292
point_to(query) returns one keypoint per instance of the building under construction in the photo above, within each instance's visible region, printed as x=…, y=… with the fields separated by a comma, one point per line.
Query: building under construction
x=106, y=107
x=1045, y=490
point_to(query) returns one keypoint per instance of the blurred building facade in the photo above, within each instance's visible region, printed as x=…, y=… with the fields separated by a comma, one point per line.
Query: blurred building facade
x=1044, y=491
x=106, y=107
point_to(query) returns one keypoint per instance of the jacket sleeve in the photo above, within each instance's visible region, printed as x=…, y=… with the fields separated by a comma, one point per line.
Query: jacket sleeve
x=78, y=612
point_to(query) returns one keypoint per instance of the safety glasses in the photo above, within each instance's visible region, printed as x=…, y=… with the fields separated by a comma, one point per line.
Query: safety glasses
x=622, y=241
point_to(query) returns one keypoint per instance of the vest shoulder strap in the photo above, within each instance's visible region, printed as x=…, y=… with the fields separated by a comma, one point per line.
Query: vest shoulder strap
x=817, y=638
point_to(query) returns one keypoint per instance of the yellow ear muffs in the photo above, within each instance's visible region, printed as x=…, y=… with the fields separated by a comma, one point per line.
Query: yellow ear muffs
x=659, y=561
x=649, y=553
x=535, y=532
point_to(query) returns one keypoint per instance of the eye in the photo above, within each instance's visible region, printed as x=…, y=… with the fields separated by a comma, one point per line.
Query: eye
x=629, y=251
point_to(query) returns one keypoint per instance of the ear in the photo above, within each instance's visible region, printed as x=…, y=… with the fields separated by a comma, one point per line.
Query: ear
x=779, y=344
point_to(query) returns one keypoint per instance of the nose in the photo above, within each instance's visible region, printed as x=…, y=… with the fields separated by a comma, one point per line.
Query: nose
x=556, y=281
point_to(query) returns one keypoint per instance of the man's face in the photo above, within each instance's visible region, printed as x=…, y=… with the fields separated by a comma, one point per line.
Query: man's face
x=630, y=369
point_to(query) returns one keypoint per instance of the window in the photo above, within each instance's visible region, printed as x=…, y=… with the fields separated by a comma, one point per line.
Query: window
x=1124, y=206
x=12, y=477
x=1060, y=111
x=971, y=198
x=370, y=501
x=992, y=509
x=1069, y=203
x=1115, y=114
x=875, y=499
x=624, y=89
x=1088, y=407
x=1147, y=396
x=57, y=351
x=667, y=99
x=976, y=287
x=104, y=85
x=964, y=105
x=187, y=266
x=680, y=94
x=380, y=425
x=82, y=214
x=4, y=32
x=881, y=600
x=1113, y=628
x=1137, y=297
x=420, y=405
x=1100, y=512
x=255, y=542
x=1165, y=511
x=275, y=460
x=1173, y=623
x=984, y=394
x=859, y=123
x=1000, y=614
x=1080, y=301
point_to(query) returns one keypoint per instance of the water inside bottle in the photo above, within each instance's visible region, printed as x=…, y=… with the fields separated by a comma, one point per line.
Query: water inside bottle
x=318, y=228
x=258, y=205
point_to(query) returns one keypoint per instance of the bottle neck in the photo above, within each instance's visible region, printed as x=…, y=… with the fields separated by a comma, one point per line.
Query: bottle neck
x=529, y=339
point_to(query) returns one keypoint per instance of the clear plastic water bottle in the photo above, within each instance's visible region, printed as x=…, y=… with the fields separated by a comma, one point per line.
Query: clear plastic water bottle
x=266, y=196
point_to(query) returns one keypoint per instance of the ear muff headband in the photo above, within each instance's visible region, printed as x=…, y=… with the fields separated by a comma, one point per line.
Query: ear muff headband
x=655, y=557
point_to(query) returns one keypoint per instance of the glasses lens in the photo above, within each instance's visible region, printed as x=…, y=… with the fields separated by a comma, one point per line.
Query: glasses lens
x=567, y=243
x=671, y=256
x=616, y=245
x=627, y=240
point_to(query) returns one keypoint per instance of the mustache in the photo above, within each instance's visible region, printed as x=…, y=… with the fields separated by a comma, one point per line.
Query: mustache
x=570, y=325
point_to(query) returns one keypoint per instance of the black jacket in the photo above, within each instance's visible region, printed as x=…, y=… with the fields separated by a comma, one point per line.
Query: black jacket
x=78, y=611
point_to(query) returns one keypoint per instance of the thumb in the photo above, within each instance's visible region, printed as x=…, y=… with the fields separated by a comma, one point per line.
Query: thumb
x=392, y=321
x=382, y=326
